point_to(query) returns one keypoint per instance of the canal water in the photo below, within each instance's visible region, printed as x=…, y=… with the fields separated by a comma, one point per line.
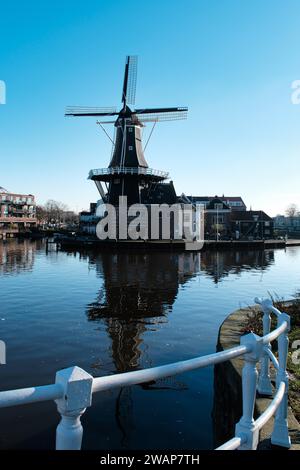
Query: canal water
x=115, y=312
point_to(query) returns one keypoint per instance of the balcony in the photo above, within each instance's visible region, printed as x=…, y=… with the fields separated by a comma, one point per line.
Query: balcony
x=17, y=220
x=127, y=171
x=17, y=211
x=16, y=203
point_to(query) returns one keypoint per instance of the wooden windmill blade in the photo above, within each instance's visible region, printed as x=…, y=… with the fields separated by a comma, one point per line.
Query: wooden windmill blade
x=90, y=111
x=132, y=78
x=129, y=84
x=161, y=110
x=160, y=114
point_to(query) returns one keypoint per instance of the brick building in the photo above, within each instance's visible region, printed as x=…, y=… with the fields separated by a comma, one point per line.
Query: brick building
x=252, y=224
x=235, y=203
x=17, y=212
x=226, y=217
x=287, y=225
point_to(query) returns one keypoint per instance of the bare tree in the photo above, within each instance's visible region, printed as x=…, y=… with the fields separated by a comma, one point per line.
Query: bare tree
x=70, y=218
x=41, y=214
x=292, y=210
x=54, y=211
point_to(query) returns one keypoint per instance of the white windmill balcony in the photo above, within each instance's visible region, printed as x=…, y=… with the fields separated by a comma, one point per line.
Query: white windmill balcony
x=127, y=171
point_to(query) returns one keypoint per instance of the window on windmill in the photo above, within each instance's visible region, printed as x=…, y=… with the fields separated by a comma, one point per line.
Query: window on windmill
x=130, y=147
x=129, y=129
x=267, y=223
x=218, y=206
x=116, y=181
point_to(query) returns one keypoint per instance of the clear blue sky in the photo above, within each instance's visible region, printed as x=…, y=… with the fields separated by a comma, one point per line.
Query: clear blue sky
x=231, y=62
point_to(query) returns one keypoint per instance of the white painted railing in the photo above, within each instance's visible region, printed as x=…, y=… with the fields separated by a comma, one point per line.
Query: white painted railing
x=127, y=171
x=74, y=387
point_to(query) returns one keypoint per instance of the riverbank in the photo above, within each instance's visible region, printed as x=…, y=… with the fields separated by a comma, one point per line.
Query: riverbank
x=228, y=383
x=68, y=239
x=246, y=244
x=173, y=245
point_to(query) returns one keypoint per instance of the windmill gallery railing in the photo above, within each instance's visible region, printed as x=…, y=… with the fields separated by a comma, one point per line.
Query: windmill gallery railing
x=74, y=387
x=126, y=170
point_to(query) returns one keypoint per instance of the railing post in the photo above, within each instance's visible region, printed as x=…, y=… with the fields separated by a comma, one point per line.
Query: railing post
x=264, y=382
x=280, y=435
x=245, y=428
x=77, y=397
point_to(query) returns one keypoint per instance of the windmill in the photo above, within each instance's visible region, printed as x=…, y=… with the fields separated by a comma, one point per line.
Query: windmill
x=128, y=173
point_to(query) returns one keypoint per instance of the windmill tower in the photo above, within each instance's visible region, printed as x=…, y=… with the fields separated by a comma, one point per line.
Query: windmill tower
x=128, y=173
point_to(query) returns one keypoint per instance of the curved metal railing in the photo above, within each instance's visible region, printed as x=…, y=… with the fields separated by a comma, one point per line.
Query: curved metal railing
x=74, y=387
x=127, y=171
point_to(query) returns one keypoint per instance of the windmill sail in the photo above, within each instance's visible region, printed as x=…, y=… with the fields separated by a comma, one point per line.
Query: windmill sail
x=129, y=84
x=132, y=76
x=160, y=114
x=90, y=111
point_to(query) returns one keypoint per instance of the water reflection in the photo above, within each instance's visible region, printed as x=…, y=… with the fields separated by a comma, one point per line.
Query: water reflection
x=138, y=293
x=16, y=256
x=219, y=265
x=292, y=251
x=138, y=290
